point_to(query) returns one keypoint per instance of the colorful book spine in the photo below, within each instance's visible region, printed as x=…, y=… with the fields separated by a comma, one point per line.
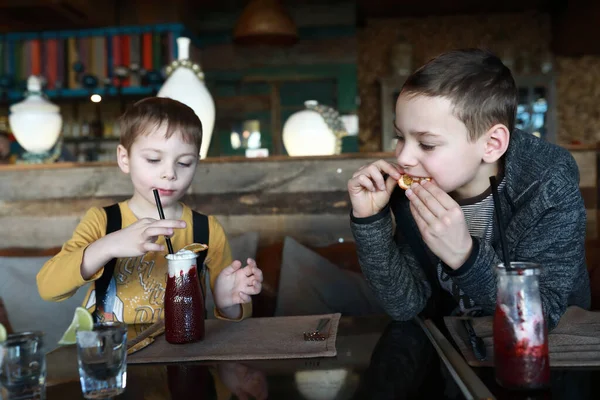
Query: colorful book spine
x=72, y=59
x=147, y=51
x=135, y=60
x=156, y=52
x=35, y=48
x=116, y=56
x=126, y=56
x=51, y=62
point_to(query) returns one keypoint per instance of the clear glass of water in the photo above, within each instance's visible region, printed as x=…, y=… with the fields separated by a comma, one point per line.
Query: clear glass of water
x=22, y=367
x=102, y=359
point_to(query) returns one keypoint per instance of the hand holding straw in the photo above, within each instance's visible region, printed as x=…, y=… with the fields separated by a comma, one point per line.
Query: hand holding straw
x=162, y=216
x=499, y=218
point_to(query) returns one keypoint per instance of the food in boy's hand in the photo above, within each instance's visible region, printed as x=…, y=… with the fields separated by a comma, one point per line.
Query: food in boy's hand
x=2, y=333
x=406, y=180
x=195, y=247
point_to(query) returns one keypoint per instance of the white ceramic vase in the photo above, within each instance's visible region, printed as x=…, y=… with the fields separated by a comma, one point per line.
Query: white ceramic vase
x=310, y=133
x=35, y=121
x=185, y=85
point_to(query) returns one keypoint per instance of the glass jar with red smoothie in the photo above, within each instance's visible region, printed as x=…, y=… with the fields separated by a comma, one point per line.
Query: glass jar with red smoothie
x=184, y=301
x=520, y=332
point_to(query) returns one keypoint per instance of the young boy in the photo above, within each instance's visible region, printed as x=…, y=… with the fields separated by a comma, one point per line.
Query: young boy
x=159, y=149
x=454, y=121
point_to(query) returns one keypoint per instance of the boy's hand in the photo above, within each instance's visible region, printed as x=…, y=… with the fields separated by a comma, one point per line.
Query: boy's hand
x=140, y=237
x=368, y=190
x=235, y=284
x=136, y=240
x=441, y=223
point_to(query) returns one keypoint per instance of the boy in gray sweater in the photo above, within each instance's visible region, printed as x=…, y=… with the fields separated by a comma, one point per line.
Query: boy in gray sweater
x=454, y=121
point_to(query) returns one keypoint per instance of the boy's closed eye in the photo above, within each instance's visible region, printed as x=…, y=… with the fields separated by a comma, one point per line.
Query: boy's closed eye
x=425, y=147
x=154, y=161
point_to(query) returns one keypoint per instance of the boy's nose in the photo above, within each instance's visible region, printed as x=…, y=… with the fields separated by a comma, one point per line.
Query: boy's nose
x=169, y=175
x=405, y=158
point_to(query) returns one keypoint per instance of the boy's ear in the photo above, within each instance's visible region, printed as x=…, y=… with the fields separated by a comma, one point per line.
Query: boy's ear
x=123, y=159
x=496, y=143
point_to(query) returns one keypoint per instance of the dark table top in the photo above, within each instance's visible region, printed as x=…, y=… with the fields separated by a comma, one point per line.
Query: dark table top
x=377, y=359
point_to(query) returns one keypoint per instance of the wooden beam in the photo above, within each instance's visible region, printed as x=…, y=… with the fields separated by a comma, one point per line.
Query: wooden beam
x=256, y=203
x=302, y=197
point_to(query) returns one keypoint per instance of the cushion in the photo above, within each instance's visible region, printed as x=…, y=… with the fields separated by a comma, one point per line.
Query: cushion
x=242, y=247
x=311, y=284
x=24, y=305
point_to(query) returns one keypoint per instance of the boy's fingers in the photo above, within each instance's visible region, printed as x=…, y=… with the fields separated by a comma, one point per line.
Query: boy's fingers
x=442, y=197
x=390, y=183
x=148, y=247
x=168, y=223
x=258, y=274
x=233, y=267
x=244, y=297
x=387, y=168
x=420, y=207
x=155, y=232
x=429, y=200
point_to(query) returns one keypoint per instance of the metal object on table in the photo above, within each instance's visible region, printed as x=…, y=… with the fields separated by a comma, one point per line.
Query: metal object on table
x=317, y=335
x=146, y=337
x=477, y=344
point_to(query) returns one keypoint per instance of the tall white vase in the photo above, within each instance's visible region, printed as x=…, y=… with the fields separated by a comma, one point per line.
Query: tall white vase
x=186, y=84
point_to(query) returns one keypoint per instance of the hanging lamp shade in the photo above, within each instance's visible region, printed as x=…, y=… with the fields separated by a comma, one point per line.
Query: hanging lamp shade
x=265, y=22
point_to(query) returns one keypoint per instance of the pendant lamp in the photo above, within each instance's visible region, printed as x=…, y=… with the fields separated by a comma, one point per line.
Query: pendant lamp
x=265, y=22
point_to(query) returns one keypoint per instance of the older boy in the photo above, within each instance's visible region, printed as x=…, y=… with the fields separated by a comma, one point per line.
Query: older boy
x=455, y=120
x=160, y=143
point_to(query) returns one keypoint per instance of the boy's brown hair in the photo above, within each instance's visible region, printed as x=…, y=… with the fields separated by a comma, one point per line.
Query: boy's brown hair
x=148, y=114
x=480, y=87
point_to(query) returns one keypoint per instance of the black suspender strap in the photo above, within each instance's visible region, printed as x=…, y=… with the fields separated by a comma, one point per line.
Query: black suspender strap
x=113, y=224
x=201, y=233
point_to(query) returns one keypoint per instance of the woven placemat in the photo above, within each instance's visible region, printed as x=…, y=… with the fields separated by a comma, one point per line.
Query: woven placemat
x=250, y=339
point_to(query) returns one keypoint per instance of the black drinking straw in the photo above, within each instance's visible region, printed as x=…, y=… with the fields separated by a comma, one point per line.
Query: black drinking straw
x=503, y=244
x=162, y=216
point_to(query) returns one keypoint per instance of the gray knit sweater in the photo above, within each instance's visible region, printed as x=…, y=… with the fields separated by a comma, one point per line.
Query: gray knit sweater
x=544, y=221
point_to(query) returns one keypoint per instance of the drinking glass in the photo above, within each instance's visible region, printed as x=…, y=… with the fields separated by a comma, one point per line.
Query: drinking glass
x=23, y=367
x=102, y=360
x=520, y=332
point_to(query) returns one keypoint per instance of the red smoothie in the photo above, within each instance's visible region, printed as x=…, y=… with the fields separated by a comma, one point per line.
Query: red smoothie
x=518, y=363
x=184, y=308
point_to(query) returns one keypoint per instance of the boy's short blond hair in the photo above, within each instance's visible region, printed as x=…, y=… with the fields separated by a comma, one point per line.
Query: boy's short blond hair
x=480, y=87
x=148, y=114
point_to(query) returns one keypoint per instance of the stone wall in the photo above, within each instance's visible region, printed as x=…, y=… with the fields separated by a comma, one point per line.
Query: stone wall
x=509, y=35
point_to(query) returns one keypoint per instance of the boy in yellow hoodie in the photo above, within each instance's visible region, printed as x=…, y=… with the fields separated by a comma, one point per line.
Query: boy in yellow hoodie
x=160, y=143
